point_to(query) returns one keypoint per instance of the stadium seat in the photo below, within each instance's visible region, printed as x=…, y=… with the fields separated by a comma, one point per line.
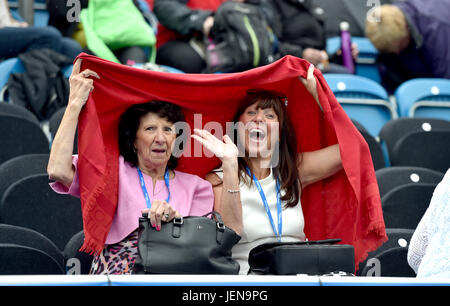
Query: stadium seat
x=366, y=65
x=404, y=206
x=31, y=203
x=40, y=16
x=54, y=122
x=363, y=100
x=21, y=166
x=22, y=260
x=423, y=149
x=375, y=150
x=378, y=157
x=397, y=237
x=12, y=65
x=392, y=177
x=395, y=129
x=20, y=136
x=16, y=110
x=15, y=65
x=392, y=262
x=27, y=237
x=77, y=262
x=424, y=97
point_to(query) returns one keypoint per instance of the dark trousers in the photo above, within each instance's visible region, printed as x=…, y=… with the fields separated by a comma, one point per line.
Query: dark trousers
x=179, y=54
x=14, y=41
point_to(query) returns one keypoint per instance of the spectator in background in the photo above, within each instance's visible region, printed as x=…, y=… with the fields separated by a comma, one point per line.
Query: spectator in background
x=413, y=37
x=352, y=11
x=299, y=28
x=117, y=31
x=58, y=15
x=18, y=37
x=183, y=24
x=429, y=249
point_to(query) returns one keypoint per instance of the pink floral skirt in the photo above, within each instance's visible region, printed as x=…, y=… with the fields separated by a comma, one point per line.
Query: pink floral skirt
x=117, y=258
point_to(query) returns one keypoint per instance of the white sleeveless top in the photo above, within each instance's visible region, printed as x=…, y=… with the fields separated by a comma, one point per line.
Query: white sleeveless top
x=257, y=228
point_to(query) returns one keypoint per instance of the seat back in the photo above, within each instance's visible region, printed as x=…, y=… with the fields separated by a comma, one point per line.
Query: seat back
x=423, y=149
x=363, y=100
x=375, y=151
x=424, y=97
x=21, y=166
x=11, y=65
x=395, y=129
x=55, y=121
x=16, y=110
x=31, y=203
x=23, y=260
x=397, y=237
x=21, y=136
x=392, y=262
x=392, y=177
x=405, y=205
x=27, y=237
x=77, y=262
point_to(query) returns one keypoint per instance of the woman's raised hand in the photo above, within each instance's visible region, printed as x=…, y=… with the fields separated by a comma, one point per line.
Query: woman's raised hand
x=80, y=85
x=311, y=84
x=224, y=149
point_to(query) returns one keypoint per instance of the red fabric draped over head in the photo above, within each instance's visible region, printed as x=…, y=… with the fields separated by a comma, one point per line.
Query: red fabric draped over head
x=346, y=205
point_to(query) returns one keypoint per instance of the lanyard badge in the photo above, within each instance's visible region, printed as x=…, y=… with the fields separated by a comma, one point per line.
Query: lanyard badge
x=144, y=189
x=266, y=205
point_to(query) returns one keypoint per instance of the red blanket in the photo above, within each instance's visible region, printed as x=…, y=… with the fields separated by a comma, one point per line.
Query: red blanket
x=346, y=205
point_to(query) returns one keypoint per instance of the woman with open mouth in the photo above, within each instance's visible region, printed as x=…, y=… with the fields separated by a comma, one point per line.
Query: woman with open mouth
x=257, y=190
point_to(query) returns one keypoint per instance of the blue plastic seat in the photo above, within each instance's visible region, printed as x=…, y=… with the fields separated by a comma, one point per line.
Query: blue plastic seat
x=41, y=15
x=366, y=62
x=363, y=100
x=12, y=65
x=15, y=65
x=428, y=98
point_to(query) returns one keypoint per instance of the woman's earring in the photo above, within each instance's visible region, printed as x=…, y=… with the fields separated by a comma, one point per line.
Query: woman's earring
x=134, y=149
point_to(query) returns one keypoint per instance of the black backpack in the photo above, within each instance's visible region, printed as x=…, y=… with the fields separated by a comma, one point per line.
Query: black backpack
x=241, y=39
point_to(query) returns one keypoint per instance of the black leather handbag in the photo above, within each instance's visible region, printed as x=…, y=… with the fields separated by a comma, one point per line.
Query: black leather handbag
x=309, y=257
x=187, y=245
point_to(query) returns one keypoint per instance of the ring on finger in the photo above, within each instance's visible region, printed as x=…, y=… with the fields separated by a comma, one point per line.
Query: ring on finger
x=166, y=216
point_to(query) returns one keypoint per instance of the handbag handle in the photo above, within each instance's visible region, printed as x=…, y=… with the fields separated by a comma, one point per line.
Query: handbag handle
x=220, y=225
x=178, y=223
x=218, y=218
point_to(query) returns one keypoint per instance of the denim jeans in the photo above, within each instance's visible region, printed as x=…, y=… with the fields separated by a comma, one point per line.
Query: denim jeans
x=14, y=41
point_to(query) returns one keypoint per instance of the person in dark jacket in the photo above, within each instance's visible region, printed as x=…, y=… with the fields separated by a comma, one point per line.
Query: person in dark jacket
x=300, y=30
x=413, y=38
x=181, y=22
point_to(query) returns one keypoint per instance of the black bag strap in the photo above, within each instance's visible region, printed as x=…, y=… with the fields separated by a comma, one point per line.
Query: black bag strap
x=220, y=225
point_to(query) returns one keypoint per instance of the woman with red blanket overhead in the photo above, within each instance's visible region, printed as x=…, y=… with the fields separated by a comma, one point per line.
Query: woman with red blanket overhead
x=148, y=181
x=258, y=188
x=345, y=205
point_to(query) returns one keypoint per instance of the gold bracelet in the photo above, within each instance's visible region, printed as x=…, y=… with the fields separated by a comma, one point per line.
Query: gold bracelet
x=233, y=191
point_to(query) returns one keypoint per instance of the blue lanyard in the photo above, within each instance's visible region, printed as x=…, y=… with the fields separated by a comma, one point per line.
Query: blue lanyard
x=266, y=205
x=144, y=189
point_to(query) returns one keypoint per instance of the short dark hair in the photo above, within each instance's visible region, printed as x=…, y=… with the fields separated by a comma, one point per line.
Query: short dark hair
x=131, y=119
